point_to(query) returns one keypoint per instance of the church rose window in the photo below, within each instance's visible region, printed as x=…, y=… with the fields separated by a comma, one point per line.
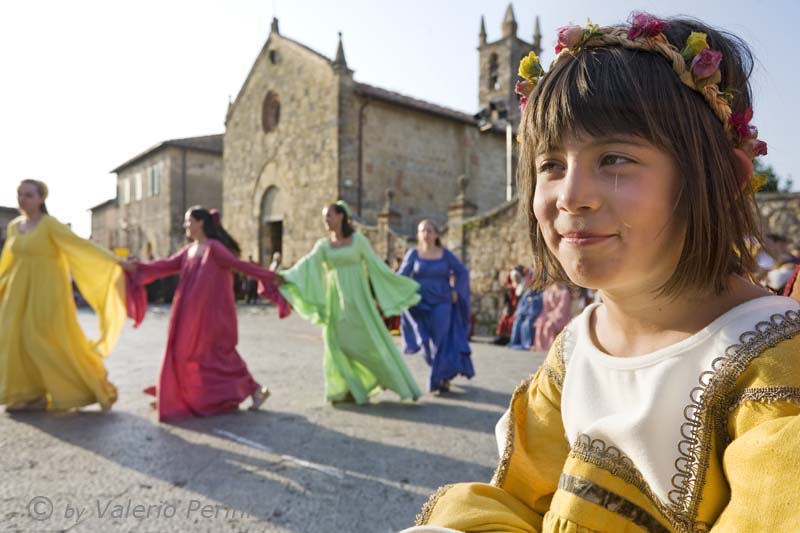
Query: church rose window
x=271, y=113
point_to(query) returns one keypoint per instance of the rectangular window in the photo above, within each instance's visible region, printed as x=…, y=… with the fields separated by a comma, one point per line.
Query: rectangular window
x=154, y=179
x=138, y=185
x=157, y=180
x=125, y=191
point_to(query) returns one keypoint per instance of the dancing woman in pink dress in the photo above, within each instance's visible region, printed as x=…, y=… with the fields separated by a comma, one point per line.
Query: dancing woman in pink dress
x=202, y=374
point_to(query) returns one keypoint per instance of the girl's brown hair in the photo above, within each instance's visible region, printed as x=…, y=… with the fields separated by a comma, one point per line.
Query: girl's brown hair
x=607, y=91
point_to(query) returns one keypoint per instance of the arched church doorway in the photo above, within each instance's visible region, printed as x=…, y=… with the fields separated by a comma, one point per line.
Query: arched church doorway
x=270, y=226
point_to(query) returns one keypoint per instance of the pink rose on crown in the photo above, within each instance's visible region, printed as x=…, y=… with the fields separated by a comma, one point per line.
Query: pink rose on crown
x=569, y=37
x=523, y=89
x=706, y=63
x=740, y=123
x=754, y=148
x=646, y=25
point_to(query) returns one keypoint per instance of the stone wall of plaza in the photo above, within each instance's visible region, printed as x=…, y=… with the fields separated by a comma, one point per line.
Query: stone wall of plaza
x=419, y=156
x=489, y=244
x=291, y=172
x=780, y=213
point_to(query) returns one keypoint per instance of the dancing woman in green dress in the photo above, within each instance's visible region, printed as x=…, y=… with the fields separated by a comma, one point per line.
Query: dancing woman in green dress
x=331, y=287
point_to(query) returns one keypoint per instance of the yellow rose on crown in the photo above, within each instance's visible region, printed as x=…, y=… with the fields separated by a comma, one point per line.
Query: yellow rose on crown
x=530, y=68
x=696, y=42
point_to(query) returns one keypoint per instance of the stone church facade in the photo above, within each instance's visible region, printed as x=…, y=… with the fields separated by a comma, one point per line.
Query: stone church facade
x=302, y=132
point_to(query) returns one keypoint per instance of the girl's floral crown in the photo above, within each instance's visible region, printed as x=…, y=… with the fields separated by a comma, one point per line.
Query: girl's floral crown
x=697, y=66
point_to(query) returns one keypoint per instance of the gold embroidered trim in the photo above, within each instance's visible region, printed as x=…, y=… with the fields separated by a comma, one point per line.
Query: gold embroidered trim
x=611, y=501
x=427, y=509
x=554, y=376
x=613, y=460
x=707, y=410
x=556, y=373
x=765, y=394
x=502, y=468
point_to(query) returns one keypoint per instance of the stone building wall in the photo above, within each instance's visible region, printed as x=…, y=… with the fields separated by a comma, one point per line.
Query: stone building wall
x=780, y=213
x=297, y=160
x=145, y=225
x=203, y=186
x=420, y=156
x=104, y=224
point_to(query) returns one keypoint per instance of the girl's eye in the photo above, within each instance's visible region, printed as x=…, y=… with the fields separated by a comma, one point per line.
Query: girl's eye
x=614, y=159
x=549, y=166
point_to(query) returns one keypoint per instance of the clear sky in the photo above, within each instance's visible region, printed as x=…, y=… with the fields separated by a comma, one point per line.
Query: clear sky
x=87, y=84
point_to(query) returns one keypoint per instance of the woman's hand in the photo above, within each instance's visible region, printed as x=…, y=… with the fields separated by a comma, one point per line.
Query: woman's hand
x=128, y=266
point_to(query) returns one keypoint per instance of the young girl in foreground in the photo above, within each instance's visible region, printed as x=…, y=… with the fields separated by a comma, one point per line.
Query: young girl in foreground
x=671, y=406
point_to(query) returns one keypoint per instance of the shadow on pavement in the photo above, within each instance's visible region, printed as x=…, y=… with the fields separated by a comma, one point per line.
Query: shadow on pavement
x=434, y=413
x=480, y=395
x=361, y=486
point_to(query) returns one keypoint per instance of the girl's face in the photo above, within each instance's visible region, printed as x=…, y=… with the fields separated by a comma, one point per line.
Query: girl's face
x=193, y=226
x=427, y=234
x=29, y=199
x=606, y=209
x=333, y=220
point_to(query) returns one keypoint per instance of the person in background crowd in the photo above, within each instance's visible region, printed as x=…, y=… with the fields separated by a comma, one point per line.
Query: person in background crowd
x=439, y=323
x=46, y=361
x=275, y=265
x=330, y=286
x=202, y=373
x=515, y=285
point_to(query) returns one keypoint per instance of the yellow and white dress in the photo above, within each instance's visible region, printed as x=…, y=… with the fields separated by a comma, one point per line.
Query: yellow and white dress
x=701, y=435
x=43, y=351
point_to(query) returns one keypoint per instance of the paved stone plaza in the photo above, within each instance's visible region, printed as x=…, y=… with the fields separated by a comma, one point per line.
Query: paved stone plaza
x=299, y=465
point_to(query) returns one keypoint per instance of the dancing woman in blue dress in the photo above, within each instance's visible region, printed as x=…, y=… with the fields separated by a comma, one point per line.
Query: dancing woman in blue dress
x=439, y=323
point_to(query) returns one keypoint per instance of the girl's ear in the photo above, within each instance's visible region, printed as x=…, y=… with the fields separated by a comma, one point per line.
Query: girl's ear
x=744, y=168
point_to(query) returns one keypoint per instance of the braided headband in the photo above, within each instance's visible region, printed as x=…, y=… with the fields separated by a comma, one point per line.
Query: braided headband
x=343, y=205
x=697, y=66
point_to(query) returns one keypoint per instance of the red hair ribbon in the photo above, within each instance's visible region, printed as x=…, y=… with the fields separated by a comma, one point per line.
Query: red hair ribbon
x=214, y=216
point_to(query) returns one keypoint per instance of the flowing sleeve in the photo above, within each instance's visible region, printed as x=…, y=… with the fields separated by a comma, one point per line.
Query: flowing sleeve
x=461, y=287
x=149, y=271
x=7, y=257
x=533, y=448
x=395, y=293
x=305, y=286
x=760, y=462
x=99, y=278
x=146, y=273
x=266, y=278
x=408, y=263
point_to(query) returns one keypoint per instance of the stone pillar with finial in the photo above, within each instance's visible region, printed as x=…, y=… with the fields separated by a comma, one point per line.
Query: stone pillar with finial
x=388, y=222
x=457, y=213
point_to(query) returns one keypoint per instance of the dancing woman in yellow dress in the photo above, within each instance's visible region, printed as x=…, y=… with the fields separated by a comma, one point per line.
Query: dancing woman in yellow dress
x=46, y=361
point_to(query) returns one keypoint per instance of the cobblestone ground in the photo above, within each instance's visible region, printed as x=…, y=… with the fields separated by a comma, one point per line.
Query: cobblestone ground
x=298, y=465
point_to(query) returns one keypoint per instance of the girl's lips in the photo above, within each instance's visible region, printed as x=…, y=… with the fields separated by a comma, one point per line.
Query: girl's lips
x=585, y=239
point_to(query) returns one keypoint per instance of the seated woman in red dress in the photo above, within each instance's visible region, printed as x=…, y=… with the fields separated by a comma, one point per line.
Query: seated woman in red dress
x=515, y=285
x=202, y=374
